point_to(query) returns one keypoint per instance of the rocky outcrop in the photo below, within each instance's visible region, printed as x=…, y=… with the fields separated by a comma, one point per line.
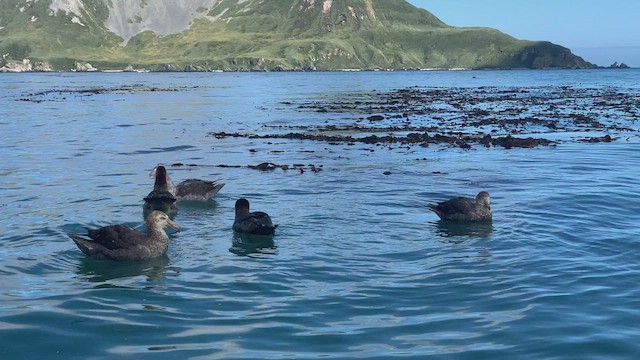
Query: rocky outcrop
x=617, y=65
x=84, y=67
x=26, y=65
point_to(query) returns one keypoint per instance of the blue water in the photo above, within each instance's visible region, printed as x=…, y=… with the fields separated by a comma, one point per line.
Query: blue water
x=359, y=268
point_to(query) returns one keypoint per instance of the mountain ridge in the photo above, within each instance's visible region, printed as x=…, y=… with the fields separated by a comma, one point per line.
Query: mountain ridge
x=257, y=35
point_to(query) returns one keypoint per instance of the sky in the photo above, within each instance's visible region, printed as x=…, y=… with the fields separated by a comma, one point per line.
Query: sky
x=602, y=32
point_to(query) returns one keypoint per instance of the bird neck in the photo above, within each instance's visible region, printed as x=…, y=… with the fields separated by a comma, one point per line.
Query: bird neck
x=163, y=183
x=241, y=212
x=156, y=231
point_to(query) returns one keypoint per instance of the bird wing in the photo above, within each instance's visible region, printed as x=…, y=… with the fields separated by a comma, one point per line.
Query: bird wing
x=196, y=189
x=115, y=237
x=455, y=205
x=255, y=223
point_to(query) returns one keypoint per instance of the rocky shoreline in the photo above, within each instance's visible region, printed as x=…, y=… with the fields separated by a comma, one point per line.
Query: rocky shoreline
x=257, y=65
x=26, y=65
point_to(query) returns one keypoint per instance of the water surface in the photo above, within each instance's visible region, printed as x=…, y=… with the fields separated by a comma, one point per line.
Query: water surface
x=359, y=268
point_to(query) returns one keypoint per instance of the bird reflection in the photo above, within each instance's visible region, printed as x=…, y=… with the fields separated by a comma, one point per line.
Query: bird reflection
x=250, y=245
x=101, y=270
x=450, y=229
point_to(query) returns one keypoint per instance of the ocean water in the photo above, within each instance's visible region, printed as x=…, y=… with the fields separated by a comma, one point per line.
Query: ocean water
x=358, y=268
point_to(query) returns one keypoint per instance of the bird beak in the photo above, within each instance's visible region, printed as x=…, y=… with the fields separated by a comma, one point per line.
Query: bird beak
x=173, y=225
x=152, y=173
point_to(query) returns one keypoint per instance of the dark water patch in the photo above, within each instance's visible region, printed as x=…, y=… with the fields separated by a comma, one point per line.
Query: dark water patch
x=59, y=95
x=98, y=271
x=162, y=348
x=110, y=175
x=451, y=229
x=162, y=150
x=255, y=246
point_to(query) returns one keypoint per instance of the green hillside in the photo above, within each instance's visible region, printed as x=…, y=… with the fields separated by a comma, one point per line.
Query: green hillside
x=271, y=34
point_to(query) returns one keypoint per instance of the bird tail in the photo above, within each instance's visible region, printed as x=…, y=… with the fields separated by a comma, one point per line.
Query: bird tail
x=77, y=237
x=216, y=188
x=85, y=245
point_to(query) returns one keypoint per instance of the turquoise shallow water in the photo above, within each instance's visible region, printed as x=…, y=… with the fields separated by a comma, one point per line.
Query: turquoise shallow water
x=358, y=268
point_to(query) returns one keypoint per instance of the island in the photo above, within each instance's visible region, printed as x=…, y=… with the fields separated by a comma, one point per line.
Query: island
x=257, y=35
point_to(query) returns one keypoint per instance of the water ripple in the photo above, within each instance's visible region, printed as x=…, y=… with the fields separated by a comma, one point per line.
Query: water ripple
x=358, y=268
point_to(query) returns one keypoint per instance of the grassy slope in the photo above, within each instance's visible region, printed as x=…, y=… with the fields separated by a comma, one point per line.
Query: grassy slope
x=275, y=33
x=55, y=38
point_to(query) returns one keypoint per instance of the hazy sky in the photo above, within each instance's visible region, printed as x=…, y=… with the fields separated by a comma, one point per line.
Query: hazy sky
x=600, y=31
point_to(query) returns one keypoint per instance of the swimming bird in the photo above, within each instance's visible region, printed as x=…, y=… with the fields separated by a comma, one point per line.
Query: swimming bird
x=464, y=209
x=121, y=242
x=253, y=223
x=190, y=189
